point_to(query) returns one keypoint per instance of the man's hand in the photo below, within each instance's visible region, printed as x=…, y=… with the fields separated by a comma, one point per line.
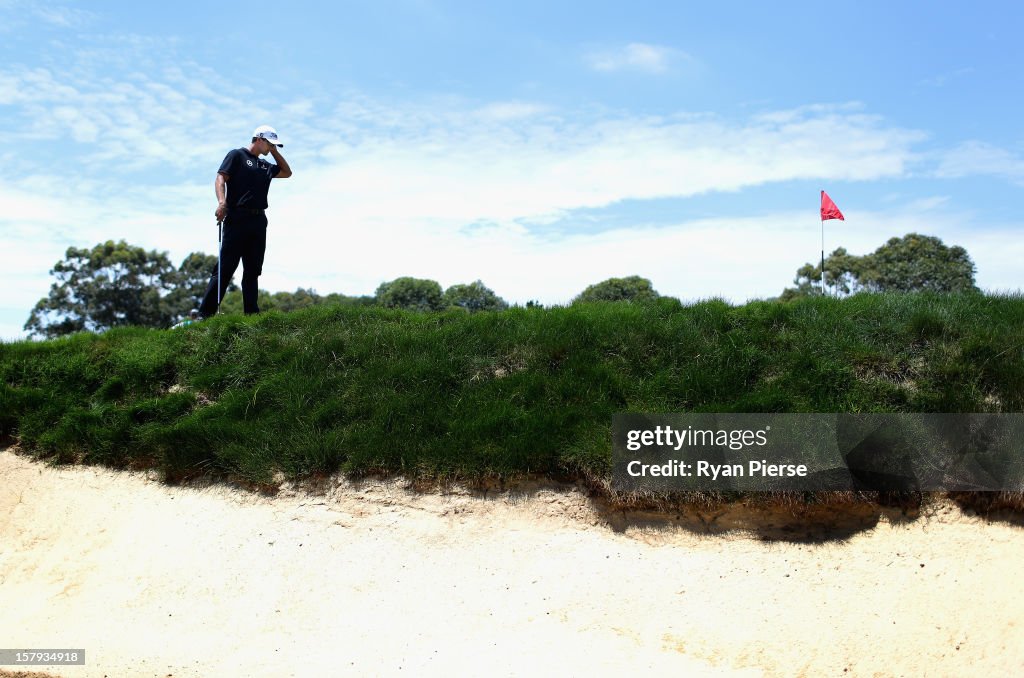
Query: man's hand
x=220, y=187
x=286, y=170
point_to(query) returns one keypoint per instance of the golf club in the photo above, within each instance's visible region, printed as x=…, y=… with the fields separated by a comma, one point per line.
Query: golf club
x=220, y=231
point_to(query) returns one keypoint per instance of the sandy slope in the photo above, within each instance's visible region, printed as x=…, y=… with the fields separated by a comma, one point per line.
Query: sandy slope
x=157, y=581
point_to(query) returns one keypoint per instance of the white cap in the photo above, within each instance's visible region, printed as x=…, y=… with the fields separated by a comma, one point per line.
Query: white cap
x=269, y=133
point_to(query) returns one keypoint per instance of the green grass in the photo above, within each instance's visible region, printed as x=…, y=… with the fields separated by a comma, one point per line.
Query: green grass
x=500, y=394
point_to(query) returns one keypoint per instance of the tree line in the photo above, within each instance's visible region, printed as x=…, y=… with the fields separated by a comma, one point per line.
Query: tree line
x=116, y=284
x=909, y=264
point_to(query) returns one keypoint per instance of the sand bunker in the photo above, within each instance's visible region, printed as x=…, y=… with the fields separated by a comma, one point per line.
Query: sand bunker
x=167, y=581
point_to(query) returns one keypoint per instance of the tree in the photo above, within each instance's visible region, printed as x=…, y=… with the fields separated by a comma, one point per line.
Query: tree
x=474, y=297
x=193, y=276
x=842, y=276
x=116, y=284
x=413, y=294
x=918, y=262
x=292, y=301
x=912, y=263
x=633, y=288
x=275, y=301
x=111, y=285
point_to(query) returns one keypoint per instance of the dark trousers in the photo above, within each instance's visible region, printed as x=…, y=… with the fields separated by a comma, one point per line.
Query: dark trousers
x=245, y=240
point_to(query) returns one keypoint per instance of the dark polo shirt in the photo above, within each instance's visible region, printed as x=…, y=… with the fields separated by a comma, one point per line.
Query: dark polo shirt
x=248, y=179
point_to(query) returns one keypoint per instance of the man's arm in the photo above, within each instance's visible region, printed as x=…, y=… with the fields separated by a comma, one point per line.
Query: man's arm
x=286, y=171
x=220, y=186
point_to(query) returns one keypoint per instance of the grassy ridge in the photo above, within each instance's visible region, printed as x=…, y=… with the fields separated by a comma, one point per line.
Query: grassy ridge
x=503, y=393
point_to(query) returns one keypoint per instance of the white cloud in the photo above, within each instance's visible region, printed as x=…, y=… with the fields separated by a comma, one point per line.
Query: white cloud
x=301, y=108
x=449, y=190
x=387, y=207
x=942, y=79
x=123, y=125
x=980, y=158
x=479, y=169
x=925, y=204
x=453, y=194
x=636, y=56
x=338, y=243
x=15, y=15
x=504, y=111
x=63, y=17
x=21, y=86
x=562, y=159
x=738, y=259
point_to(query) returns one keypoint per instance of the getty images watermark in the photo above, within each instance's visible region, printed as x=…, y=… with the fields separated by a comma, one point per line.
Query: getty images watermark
x=817, y=452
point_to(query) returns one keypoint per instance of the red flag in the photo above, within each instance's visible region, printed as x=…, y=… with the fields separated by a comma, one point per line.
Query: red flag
x=829, y=209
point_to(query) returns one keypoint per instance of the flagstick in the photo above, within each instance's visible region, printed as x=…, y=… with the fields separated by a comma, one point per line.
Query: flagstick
x=822, y=257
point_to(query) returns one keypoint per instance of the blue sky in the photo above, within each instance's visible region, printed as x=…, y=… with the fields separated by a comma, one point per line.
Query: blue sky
x=540, y=147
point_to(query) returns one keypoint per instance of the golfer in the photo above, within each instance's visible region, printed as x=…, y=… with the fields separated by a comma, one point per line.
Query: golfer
x=241, y=185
